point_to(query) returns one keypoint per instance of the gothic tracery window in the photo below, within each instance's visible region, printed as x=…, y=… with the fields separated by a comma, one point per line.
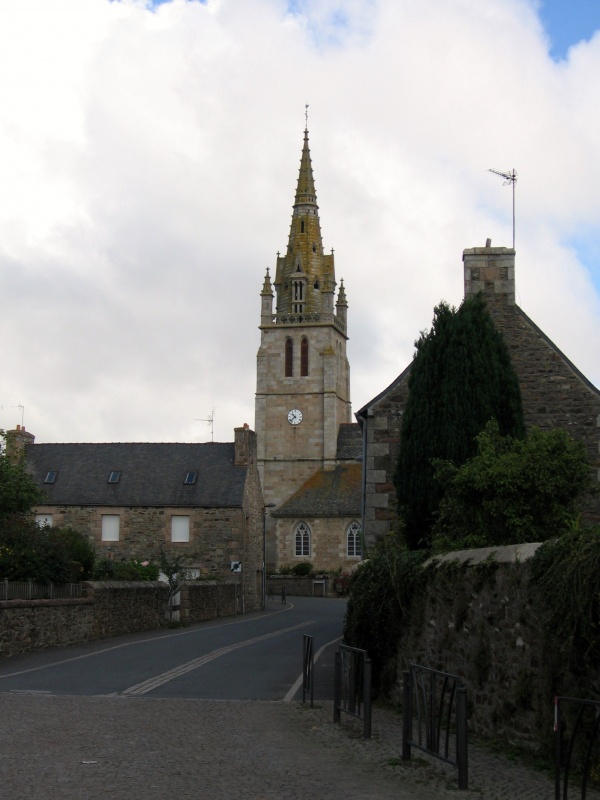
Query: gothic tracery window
x=302, y=539
x=353, y=540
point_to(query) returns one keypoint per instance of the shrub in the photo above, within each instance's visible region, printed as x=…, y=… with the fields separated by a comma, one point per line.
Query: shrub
x=43, y=555
x=565, y=573
x=512, y=490
x=109, y=570
x=382, y=593
x=303, y=569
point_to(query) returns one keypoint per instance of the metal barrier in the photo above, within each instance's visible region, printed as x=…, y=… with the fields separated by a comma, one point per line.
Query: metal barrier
x=582, y=753
x=441, y=703
x=28, y=590
x=308, y=663
x=352, y=686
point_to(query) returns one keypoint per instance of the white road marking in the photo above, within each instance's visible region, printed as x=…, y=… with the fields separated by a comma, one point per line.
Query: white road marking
x=208, y=626
x=159, y=680
x=295, y=686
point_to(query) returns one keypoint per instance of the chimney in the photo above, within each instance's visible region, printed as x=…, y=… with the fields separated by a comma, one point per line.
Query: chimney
x=490, y=270
x=15, y=443
x=245, y=446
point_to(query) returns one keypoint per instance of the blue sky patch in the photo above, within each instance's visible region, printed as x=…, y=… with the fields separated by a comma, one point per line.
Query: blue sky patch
x=567, y=22
x=586, y=244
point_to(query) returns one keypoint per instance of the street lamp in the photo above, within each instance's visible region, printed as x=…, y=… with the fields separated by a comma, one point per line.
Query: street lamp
x=264, y=562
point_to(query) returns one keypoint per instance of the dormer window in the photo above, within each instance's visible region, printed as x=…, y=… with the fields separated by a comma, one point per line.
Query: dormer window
x=190, y=478
x=51, y=476
x=114, y=476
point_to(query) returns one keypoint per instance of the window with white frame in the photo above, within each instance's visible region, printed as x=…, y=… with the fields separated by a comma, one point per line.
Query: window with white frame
x=180, y=528
x=302, y=539
x=43, y=520
x=354, y=540
x=110, y=527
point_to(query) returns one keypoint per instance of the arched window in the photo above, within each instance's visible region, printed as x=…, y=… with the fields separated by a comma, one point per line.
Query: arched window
x=304, y=357
x=302, y=226
x=302, y=539
x=289, y=358
x=354, y=540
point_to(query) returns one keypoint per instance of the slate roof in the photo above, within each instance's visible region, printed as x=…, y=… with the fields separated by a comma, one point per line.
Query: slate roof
x=151, y=474
x=349, y=441
x=328, y=493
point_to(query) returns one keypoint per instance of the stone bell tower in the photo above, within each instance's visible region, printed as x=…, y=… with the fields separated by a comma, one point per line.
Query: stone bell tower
x=303, y=375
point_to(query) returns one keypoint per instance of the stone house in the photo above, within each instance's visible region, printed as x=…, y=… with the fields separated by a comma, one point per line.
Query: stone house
x=203, y=501
x=554, y=392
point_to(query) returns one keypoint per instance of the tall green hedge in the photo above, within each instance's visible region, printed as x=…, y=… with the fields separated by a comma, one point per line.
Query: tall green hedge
x=460, y=378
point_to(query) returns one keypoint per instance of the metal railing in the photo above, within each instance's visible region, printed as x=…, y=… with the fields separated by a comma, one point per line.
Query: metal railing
x=29, y=590
x=308, y=663
x=439, y=702
x=576, y=744
x=352, y=686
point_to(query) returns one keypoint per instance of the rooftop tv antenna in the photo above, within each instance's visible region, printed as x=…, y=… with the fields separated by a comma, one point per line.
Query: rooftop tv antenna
x=509, y=177
x=21, y=406
x=211, y=422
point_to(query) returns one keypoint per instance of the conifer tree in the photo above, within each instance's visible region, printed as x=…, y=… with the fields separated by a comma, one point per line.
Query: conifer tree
x=460, y=378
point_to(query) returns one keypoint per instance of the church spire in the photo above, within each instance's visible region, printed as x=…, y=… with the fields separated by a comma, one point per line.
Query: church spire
x=305, y=191
x=305, y=276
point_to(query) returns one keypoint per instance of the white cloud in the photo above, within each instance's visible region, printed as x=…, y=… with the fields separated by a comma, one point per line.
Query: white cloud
x=149, y=167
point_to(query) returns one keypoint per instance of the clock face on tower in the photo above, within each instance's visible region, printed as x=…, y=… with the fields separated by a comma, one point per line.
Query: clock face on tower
x=295, y=417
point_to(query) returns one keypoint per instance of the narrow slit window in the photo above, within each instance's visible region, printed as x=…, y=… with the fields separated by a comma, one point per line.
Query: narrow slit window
x=304, y=357
x=289, y=358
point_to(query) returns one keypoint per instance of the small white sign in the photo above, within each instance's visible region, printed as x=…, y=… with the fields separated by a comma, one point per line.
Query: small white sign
x=236, y=566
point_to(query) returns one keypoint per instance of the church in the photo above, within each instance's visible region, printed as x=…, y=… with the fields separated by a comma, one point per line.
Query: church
x=308, y=448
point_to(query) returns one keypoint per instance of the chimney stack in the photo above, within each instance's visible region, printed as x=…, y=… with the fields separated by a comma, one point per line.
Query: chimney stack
x=16, y=442
x=490, y=270
x=245, y=446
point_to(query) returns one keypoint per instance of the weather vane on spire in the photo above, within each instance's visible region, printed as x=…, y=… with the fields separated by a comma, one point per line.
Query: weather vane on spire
x=306, y=116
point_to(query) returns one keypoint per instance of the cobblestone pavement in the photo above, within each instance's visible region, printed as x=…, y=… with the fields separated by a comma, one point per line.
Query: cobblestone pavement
x=68, y=748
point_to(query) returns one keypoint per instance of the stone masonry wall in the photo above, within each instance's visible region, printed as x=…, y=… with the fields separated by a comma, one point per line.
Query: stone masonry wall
x=554, y=394
x=384, y=423
x=204, y=601
x=300, y=587
x=110, y=609
x=27, y=625
x=483, y=624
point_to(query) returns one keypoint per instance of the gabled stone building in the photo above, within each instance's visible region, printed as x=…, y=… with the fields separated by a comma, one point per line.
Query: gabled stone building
x=203, y=501
x=307, y=443
x=554, y=392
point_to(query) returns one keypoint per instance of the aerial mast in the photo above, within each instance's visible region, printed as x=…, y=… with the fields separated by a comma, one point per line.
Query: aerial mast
x=509, y=177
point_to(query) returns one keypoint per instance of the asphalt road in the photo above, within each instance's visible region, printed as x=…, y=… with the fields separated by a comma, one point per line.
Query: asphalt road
x=255, y=657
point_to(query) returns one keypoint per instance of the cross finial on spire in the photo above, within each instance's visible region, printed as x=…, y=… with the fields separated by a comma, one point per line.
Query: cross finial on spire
x=306, y=116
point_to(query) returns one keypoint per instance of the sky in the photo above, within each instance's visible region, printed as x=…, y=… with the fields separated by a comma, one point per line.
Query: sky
x=149, y=154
